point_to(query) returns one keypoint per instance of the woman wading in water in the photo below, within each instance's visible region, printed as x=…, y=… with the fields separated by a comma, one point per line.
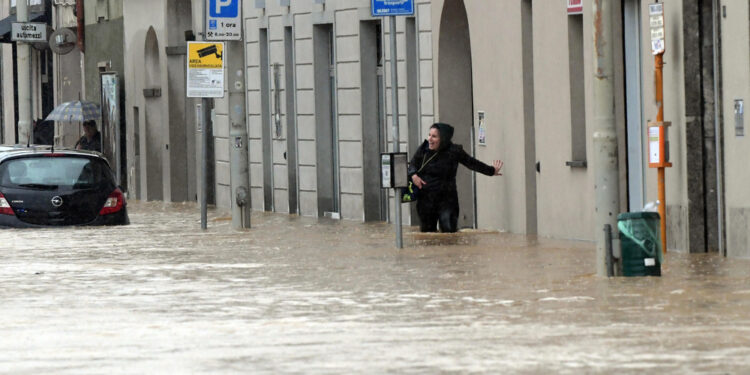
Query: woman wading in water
x=433, y=170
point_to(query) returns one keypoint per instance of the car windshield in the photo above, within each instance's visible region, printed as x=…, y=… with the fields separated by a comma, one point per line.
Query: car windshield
x=53, y=172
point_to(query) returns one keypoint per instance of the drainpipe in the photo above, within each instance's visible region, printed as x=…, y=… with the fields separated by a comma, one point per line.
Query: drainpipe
x=717, y=128
x=80, y=29
x=606, y=174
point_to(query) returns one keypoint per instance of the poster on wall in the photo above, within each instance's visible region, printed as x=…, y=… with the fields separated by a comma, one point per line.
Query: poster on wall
x=482, y=133
x=110, y=126
x=575, y=7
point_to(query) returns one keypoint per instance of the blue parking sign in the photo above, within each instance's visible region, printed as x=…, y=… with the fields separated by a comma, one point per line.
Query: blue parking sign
x=223, y=20
x=224, y=8
x=382, y=8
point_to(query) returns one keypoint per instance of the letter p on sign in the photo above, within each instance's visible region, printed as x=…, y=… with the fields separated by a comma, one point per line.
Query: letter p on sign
x=224, y=8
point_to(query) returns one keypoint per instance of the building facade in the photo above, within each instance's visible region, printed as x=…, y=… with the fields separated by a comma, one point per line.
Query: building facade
x=104, y=76
x=318, y=104
x=40, y=67
x=161, y=132
x=526, y=68
x=519, y=73
x=514, y=77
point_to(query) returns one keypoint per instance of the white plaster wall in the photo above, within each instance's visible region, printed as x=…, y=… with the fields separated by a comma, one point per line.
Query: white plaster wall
x=498, y=76
x=565, y=196
x=139, y=16
x=562, y=191
x=736, y=85
x=495, y=31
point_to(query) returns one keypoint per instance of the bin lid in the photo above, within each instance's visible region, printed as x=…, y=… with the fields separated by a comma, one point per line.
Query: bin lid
x=645, y=215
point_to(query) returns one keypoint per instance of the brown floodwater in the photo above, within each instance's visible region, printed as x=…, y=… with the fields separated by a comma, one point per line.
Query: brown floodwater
x=306, y=296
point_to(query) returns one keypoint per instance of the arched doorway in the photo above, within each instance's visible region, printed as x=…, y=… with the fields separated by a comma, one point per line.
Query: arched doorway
x=152, y=129
x=181, y=121
x=455, y=95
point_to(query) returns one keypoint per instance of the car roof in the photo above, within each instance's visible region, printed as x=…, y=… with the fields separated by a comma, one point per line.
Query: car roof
x=7, y=152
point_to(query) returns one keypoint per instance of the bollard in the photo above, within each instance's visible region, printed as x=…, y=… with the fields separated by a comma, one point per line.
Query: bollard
x=609, y=255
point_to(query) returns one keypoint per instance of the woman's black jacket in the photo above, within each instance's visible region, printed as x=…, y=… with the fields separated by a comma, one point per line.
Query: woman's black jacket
x=439, y=173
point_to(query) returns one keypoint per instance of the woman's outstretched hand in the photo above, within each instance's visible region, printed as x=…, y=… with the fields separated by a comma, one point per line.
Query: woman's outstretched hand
x=418, y=181
x=498, y=164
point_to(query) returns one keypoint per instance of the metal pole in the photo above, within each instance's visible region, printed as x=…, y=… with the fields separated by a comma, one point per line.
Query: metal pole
x=659, y=84
x=606, y=174
x=204, y=162
x=717, y=127
x=475, y=223
x=610, y=256
x=240, y=173
x=204, y=147
x=396, y=135
x=24, y=79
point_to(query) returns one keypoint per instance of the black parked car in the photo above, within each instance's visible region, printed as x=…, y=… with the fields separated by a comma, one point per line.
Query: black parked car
x=42, y=186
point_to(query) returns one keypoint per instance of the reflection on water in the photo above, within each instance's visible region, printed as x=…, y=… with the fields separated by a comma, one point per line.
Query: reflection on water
x=297, y=295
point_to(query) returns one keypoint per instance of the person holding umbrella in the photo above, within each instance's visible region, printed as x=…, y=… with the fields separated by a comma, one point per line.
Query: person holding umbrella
x=91, y=139
x=81, y=112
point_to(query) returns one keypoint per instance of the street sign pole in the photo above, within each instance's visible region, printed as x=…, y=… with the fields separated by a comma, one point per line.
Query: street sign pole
x=396, y=135
x=224, y=23
x=222, y=27
x=393, y=8
x=204, y=141
x=656, y=21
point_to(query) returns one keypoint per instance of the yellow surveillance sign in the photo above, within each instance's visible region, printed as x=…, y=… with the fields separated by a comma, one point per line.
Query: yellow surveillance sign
x=206, y=55
x=205, y=73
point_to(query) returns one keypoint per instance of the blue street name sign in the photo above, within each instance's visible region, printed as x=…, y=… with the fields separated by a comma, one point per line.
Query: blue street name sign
x=381, y=8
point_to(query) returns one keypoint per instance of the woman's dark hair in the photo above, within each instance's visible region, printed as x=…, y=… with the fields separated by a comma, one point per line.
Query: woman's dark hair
x=446, y=133
x=90, y=123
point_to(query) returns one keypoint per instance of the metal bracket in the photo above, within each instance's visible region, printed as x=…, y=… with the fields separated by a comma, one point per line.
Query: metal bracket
x=152, y=92
x=577, y=163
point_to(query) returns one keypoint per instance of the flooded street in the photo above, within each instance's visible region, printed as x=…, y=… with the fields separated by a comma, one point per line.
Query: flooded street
x=302, y=296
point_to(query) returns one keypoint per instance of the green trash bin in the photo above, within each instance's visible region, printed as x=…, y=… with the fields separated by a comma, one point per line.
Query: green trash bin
x=640, y=243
